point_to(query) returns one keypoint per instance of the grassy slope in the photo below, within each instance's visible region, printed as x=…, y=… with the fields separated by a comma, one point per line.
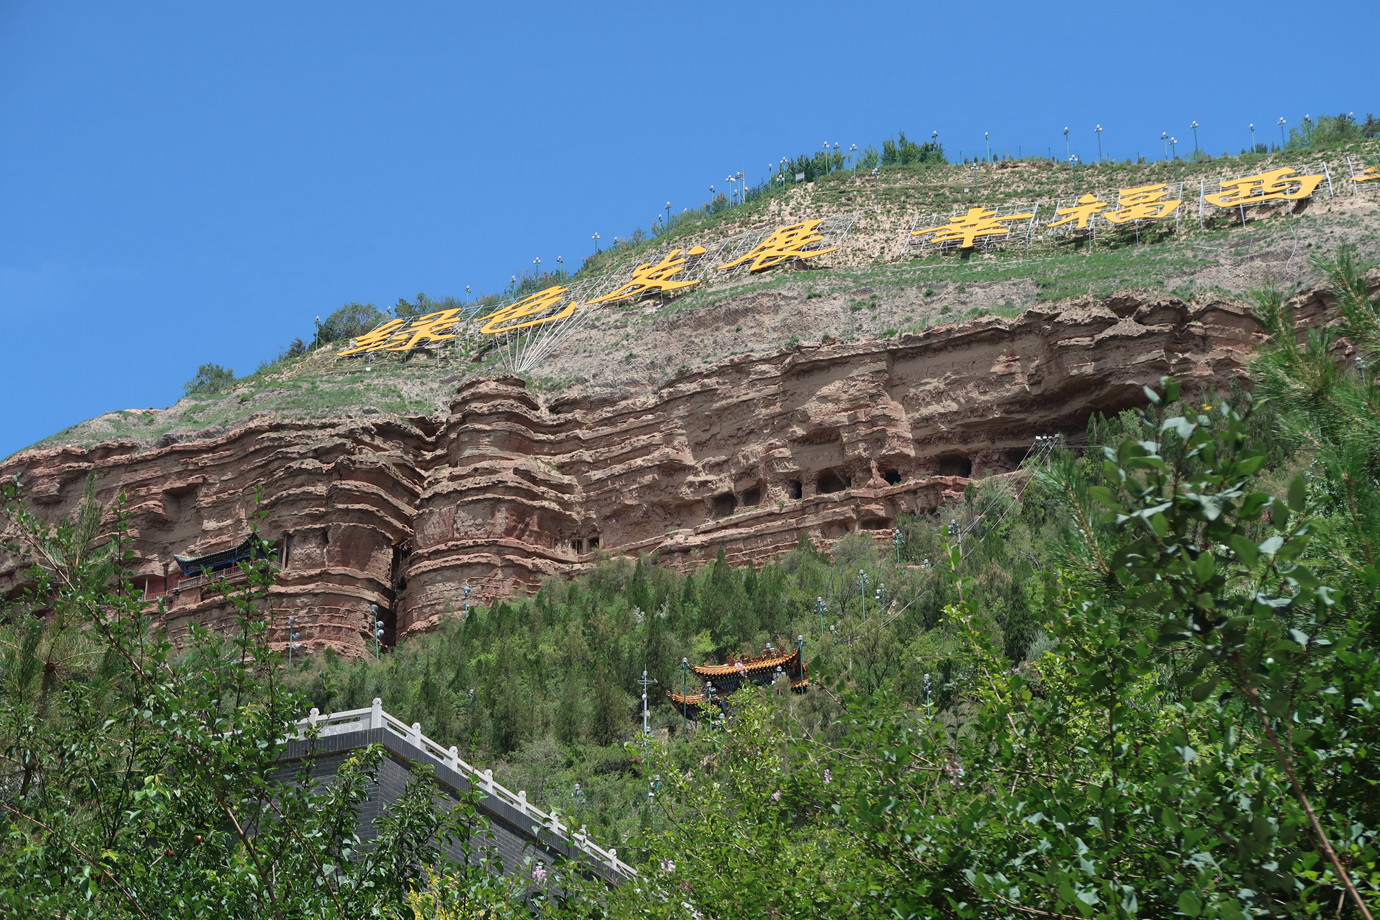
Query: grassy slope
x=868, y=290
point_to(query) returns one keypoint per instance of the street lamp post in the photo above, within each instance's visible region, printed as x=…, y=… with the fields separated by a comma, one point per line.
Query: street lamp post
x=1164, y=136
x=292, y=640
x=742, y=188
x=1194, y=126
x=465, y=610
x=897, y=538
x=1066, y=142
x=467, y=295
x=987, y=137
x=1252, y=137
x=536, y=268
x=853, y=158
x=668, y=215
x=1098, y=132
x=825, y=147
x=1281, y=132
x=685, y=701
x=1074, y=160
x=820, y=608
x=1174, y=145
x=378, y=628
x=862, y=591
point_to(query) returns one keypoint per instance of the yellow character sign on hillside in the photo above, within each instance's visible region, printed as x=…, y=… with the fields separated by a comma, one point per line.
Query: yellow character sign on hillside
x=1282, y=184
x=1369, y=174
x=1144, y=202
x=1088, y=206
x=542, y=307
x=967, y=228
x=784, y=244
x=434, y=327
x=647, y=278
x=375, y=340
x=405, y=335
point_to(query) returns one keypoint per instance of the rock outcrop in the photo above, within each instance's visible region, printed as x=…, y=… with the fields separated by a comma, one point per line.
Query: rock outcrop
x=510, y=488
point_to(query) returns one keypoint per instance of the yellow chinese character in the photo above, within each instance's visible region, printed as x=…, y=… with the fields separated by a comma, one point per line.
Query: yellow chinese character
x=1144, y=202
x=1369, y=174
x=530, y=311
x=1088, y=205
x=647, y=278
x=423, y=329
x=1276, y=185
x=966, y=229
x=375, y=340
x=784, y=244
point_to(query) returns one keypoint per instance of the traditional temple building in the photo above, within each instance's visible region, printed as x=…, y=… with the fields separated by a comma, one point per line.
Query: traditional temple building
x=719, y=681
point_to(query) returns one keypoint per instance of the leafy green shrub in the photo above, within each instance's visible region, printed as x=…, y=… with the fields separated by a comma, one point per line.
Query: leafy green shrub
x=209, y=380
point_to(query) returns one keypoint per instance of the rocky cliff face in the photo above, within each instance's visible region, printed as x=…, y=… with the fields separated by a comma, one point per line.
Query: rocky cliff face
x=510, y=488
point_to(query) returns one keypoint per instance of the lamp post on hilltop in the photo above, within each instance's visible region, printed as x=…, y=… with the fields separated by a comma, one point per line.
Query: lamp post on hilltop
x=820, y=609
x=595, y=237
x=1164, y=136
x=1252, y=137
x=1194, y=126
x=560, y=265
x=897, y=538
x=836, y=150
x=536, y=268
x=987, y=139
x=467, y=295
x=1074, y=160
x=1281, y=132
x=825, y=147
x=1098, y=132
x=1067, y=153
x=853, y=158
x=465, y=610
x=1174, y=145
x=742, y=188
x=732, y=193
x=668, y=215
x=862, y=592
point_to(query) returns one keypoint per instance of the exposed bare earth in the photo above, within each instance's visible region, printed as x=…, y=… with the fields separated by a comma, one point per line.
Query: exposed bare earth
x=511, y=485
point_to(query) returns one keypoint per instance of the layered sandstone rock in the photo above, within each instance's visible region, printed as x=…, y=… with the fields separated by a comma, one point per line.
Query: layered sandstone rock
x=509, y=488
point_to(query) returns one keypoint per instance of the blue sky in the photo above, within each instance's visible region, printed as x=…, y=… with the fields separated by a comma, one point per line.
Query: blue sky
x=191, y=182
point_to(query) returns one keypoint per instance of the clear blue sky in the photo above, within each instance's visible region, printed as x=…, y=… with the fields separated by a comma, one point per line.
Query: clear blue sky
x=192, y=182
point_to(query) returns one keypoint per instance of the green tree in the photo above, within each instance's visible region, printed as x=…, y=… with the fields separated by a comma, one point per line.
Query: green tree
x=350, y=321
x=209, y=380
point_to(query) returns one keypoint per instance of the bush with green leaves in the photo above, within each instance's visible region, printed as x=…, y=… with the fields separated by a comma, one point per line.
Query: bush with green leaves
x=138, y=780
x=209, y=380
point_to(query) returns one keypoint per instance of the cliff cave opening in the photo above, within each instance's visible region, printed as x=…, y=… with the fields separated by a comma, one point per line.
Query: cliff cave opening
x=955, y=465
x=830, y=481
x=752, y=497
x=797, y=488
x=725, y=504
x=892, y=477
x=593, y=544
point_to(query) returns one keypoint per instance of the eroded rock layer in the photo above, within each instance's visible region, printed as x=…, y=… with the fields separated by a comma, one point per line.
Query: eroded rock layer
x=508, y=489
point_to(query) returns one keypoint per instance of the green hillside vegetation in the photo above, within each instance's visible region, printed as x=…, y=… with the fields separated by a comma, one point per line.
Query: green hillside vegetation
x=1144, y=683
x=868, y=292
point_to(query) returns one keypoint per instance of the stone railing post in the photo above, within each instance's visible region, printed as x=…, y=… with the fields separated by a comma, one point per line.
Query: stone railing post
x=313, y=717
x=454, y=763
x=522, y=801
x=376, y=713
x=486, y=781
x=415, y=735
